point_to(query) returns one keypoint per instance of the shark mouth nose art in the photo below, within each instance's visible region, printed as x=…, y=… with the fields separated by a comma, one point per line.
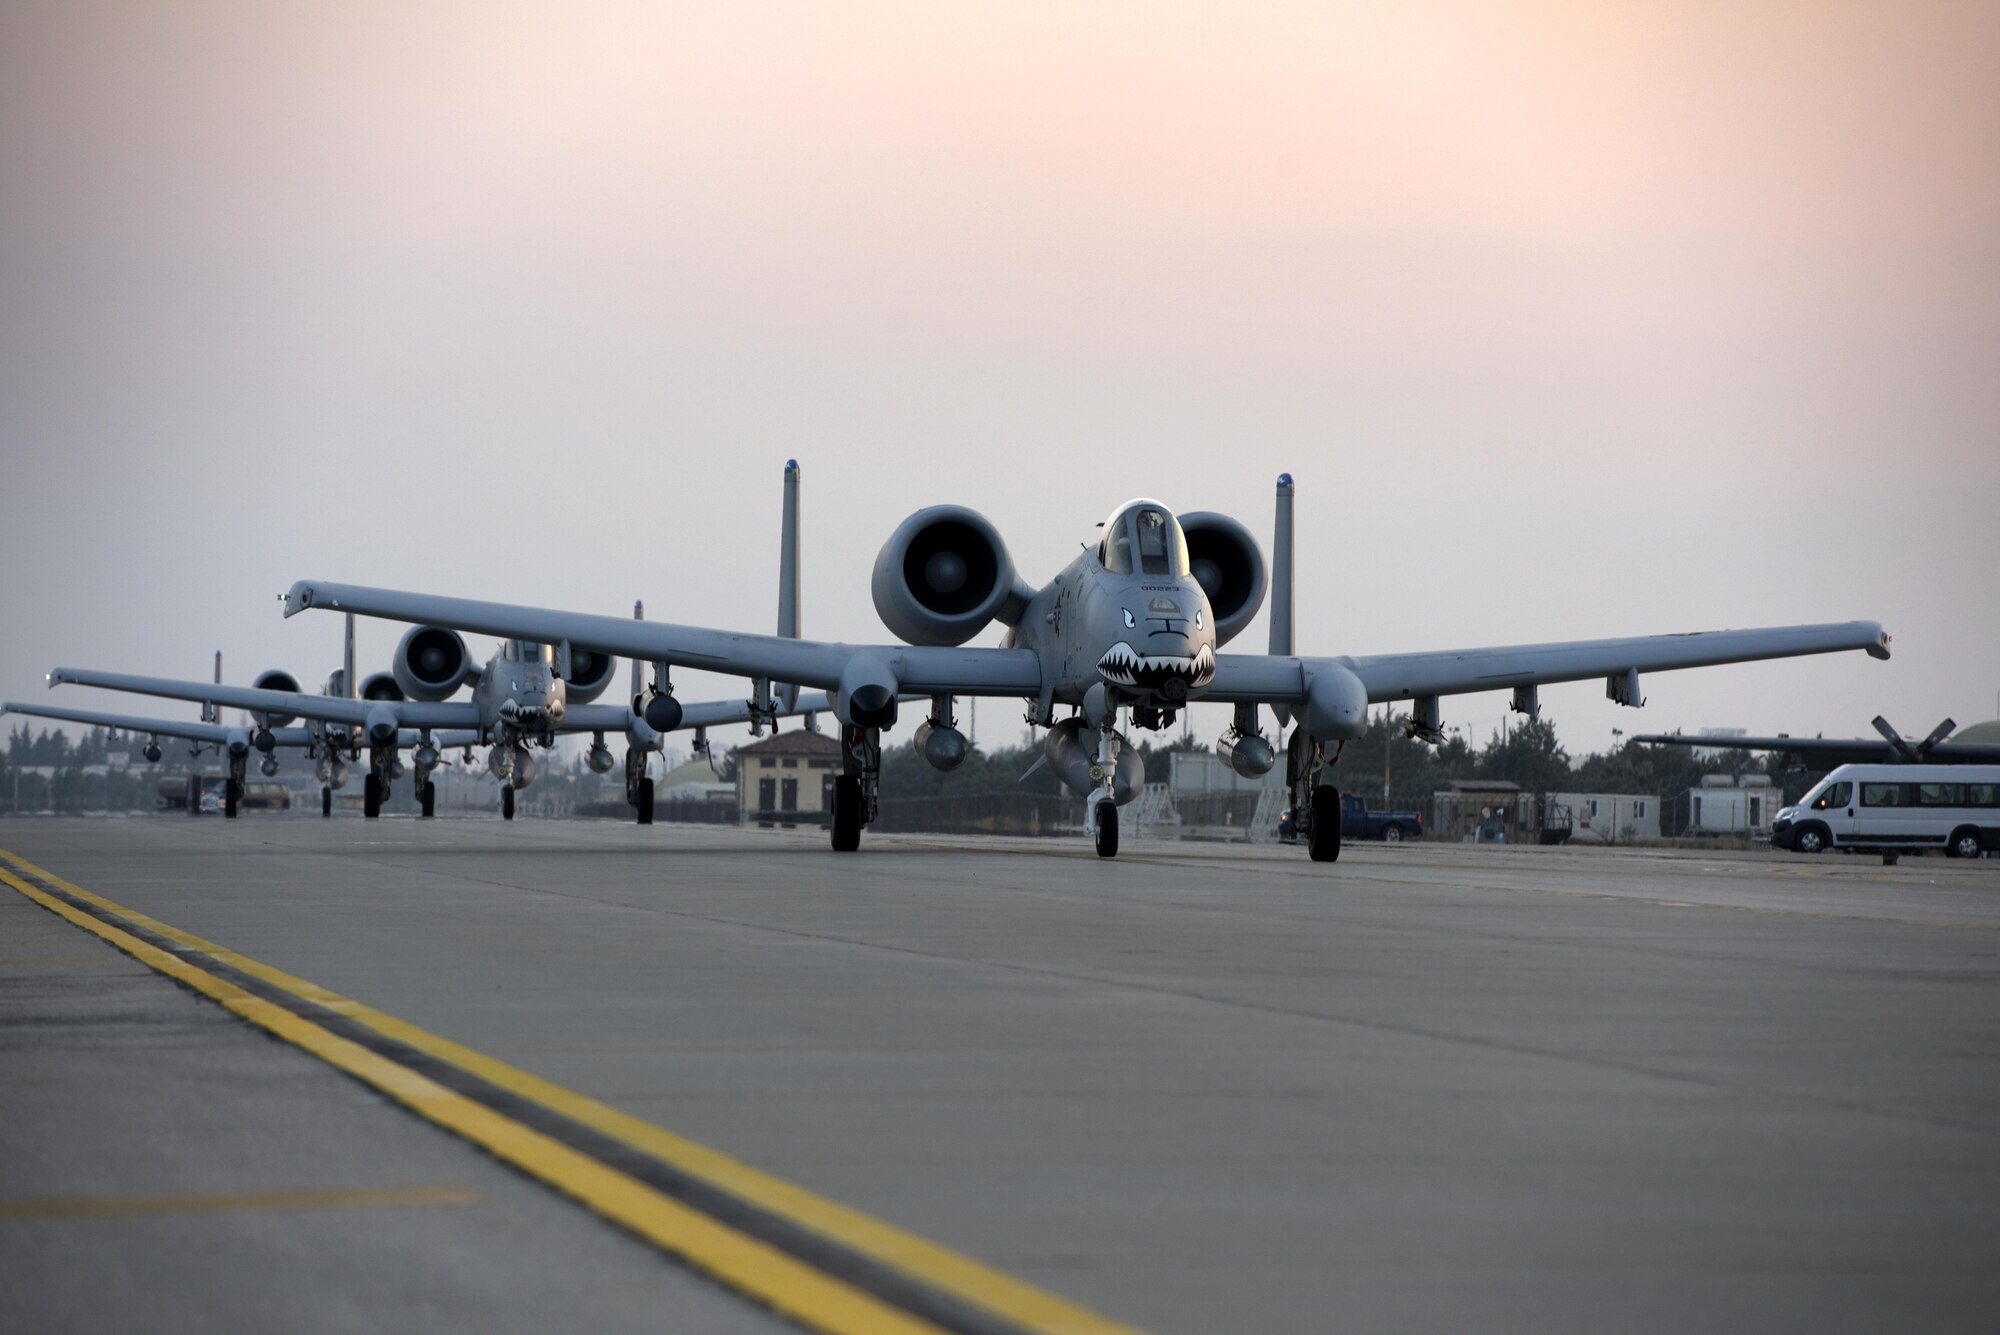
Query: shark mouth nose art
x=1172, y=675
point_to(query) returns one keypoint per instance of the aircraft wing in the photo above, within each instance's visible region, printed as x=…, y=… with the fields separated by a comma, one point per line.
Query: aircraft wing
x=1831, y=751
x=1390, y=677
x=157, y=727
x=699, y=714
x=325, y=708
x=919, y=670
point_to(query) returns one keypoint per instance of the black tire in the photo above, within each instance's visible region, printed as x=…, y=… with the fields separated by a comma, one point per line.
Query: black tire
x=1392, y=834
x=1107, y=830
x=507, y=802
x=645, y=807
x=371, y=796
x=194, y=796
x=1810, y=839
x=427, y=798
x=232, y=793
x=846, y=813
x=1964, y=843
x=1326, y=824
x=325, y=800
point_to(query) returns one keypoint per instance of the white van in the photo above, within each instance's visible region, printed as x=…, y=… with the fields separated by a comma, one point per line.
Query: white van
x=1897, y=808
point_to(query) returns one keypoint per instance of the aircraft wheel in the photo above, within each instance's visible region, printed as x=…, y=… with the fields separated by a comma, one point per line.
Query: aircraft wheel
x=427, y=798
x=1964, y=843
x=231, y=795
x=1326, y=824
x=371, y=796
x=325, y=800
x=194, y=796
x=507, y=802
x=645, y=801
x=846, y=813
x=1107, y=830
x=1809, y=839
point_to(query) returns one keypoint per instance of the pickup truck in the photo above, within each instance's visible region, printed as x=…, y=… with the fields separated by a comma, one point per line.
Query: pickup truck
x=1358, y=822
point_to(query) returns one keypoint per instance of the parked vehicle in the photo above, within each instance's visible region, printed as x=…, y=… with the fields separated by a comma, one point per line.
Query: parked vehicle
x=1358, y=822
x=1897, y=809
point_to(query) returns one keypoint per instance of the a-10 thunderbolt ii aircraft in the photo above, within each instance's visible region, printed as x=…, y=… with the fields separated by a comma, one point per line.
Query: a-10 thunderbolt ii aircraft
x=1130, y=627
x=232, y=743
x=525, y=696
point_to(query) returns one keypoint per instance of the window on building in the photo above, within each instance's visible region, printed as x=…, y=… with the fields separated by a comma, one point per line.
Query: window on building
x=1639, y=809
x=767, y=763
x=1593, y=808
x=791, y=762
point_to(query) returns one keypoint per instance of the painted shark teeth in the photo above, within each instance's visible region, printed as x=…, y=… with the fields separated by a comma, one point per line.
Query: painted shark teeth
x=1122, y=665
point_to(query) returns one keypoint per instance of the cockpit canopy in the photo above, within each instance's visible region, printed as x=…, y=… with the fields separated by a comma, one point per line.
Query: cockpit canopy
x=1144, y=538
x=522, y=651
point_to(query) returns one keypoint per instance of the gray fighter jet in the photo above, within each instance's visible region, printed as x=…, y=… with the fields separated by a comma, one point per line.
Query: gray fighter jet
x=1130, y=628
x=524, y=697
x=232, y=743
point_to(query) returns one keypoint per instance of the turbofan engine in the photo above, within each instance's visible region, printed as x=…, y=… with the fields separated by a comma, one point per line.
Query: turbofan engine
x=275, y=680
x=430, y=663
x=381, y=686
x=1225, y=560
x=943, y=575
x=590, y=672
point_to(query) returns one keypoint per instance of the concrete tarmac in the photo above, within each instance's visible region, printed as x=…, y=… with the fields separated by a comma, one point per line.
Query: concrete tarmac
x=1200, y=1088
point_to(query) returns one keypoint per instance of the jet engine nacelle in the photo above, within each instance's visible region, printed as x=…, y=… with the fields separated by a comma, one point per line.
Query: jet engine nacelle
x=275, y=680
x=381, y=687
x=1071, y=749
x=430, y=664
x=590, y=674
x=943, y=575
x=1226, y=561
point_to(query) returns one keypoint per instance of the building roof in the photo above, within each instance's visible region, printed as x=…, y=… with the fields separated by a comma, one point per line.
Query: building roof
x=695, y=771
x=797, y=742
x=1484, y=786
x=1978, y=732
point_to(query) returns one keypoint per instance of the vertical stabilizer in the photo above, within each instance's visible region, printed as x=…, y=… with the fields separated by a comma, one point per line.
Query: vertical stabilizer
x=348, y=686
x=787, y=695
x=1283, y=644
x=212, y=713
x=638, y=670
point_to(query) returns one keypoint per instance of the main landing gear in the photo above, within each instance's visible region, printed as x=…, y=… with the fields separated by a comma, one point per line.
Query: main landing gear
x=325, y=800
x=855, y=790
x=1315, y=803
x=638, y=786
x=427, y=798
x=507, y=801
x=371, y=796
x=1107, y=830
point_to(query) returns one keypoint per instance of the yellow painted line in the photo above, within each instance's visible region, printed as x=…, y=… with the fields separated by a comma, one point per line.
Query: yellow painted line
x=231, y=1202
x=752, y=1267
x=938, y=1266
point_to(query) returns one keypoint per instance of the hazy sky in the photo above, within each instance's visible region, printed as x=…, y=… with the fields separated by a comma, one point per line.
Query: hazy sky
x=1570, y=319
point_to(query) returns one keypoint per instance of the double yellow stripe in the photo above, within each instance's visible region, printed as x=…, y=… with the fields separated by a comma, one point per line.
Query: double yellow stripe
x=751, y=1266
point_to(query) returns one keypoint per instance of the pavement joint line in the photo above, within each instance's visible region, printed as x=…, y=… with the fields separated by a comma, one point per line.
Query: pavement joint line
x=231, y=1202
x=907, y=1282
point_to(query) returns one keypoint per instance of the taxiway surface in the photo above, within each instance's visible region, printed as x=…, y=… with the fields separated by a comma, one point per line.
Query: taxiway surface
x=1200, y=1088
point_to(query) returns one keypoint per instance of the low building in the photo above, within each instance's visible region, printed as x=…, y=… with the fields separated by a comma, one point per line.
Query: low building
x=1603, y=818
x=694, y=781
x=787, y=779
x=1492, y=806
x=1723, y=807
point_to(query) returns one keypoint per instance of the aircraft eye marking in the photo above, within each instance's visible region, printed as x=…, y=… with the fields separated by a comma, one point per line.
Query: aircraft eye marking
x=1130, y=620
